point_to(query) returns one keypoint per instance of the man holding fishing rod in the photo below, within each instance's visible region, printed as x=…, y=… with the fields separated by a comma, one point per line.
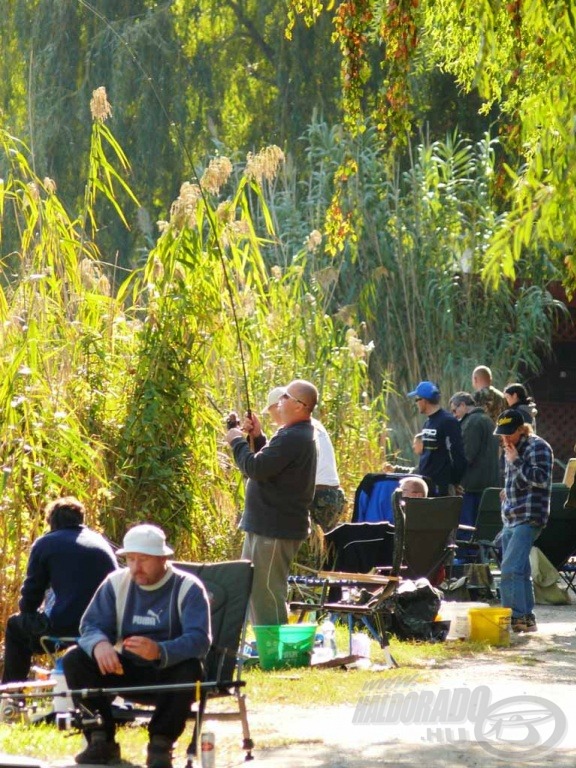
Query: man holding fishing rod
x=281, y=482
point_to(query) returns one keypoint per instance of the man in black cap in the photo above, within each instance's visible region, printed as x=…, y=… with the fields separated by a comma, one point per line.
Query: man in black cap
x=525, y=511
x=442, y=460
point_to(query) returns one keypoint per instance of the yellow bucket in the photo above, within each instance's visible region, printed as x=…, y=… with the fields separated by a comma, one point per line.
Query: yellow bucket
x=490, y=624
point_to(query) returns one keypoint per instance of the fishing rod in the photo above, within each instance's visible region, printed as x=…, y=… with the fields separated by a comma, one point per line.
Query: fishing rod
x=210, y=216
x=32, y=689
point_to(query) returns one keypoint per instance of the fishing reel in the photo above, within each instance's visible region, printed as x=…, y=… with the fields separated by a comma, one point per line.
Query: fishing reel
x=80, y=719
x=232, y=420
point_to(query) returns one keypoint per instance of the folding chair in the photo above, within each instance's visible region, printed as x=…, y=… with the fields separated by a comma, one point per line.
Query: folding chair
x=375, y=550
x=488, y=525
x=431, y=526
x=558, y=539
x=373, y=497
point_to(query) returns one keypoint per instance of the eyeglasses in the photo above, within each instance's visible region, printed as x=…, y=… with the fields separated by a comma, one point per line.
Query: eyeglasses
x=288, y=396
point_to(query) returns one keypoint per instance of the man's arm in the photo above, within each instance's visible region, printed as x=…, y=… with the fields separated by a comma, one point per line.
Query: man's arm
x=535, y=464
x=196, y=637
x=271, y=459
x=455, y=448
x=472, y=436
x=36, y=582
x=98, y=624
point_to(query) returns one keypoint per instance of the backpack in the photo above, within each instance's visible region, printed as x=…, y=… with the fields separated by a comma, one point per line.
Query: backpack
x=416, y=605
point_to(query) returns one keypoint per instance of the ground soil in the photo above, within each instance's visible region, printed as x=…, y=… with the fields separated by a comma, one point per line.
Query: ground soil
x=531, y=721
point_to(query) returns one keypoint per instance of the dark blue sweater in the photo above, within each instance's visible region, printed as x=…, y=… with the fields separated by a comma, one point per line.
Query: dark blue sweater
x=443, y=459
x=281, y=482
x=72, y=562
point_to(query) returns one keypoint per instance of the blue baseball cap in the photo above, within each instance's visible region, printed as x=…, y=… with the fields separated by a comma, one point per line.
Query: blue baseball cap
x=426, y=389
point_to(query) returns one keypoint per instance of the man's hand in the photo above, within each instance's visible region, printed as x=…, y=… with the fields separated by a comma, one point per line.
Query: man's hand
x=251, y=425
x=233, y=434
x=107, y=659
x=510, y=452
x=142, y=646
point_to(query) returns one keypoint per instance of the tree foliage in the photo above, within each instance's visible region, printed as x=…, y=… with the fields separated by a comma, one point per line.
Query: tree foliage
x=118, y=395
x=519, y=55
x=411, y=277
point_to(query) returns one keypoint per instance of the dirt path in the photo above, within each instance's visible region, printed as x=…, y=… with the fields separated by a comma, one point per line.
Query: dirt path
x=525, y=692
x=509, y=706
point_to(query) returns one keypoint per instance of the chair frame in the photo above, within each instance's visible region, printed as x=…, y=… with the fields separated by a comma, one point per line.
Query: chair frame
x=381, y=584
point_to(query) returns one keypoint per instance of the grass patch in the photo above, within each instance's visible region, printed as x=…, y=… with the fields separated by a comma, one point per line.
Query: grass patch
x=306, y=687
x=309, y=687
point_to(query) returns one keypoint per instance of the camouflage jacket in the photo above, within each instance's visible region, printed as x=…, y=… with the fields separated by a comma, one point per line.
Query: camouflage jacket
x=491, y=400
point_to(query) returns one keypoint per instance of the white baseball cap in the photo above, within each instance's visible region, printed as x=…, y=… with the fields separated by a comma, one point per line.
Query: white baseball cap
x=274, y=396
x=145, y=539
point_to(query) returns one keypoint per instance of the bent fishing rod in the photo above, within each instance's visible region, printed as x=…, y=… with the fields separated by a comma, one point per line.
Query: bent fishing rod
x=188, y=155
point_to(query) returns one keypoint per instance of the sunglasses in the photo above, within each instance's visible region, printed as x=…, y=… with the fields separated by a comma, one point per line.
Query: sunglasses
x=288, y=396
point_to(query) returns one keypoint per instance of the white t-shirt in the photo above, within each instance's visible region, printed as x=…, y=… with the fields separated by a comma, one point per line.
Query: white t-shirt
x=326, y=472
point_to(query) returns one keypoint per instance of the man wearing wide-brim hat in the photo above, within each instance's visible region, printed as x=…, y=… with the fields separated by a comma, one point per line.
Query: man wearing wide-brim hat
x=528, y=461
x=148, y=624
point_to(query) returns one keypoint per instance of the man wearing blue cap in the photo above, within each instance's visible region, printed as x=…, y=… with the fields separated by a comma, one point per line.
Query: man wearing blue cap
x=443, y=460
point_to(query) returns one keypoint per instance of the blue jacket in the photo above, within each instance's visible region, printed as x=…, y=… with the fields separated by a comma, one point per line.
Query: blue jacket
x=72, y=563
x=175, y=613
x=443, y=459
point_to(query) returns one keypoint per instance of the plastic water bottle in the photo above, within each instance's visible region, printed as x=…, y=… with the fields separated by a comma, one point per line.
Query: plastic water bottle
x=61, y=703
x=328, y=631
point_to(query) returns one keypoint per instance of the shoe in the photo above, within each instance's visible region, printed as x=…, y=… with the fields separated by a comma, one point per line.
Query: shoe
x=159, y=753
x=99, y=751
x=531, y=625
x=518, y=624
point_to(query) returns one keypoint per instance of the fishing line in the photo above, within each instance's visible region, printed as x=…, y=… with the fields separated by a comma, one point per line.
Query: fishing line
x=179, y=137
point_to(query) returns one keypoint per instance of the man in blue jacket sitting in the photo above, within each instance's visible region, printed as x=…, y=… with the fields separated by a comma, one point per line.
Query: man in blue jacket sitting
x=65, y=568
x=148, y=624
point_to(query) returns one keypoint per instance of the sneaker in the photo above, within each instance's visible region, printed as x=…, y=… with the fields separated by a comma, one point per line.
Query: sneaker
x=159, y=753
x=531, y=625
x=99, y=751
x=519, y=624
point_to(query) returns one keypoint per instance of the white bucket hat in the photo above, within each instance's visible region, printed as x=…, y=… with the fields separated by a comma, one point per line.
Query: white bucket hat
x=274, y=397
x=145, y=540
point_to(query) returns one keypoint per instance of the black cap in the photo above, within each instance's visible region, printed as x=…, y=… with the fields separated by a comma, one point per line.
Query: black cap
x=508, y=422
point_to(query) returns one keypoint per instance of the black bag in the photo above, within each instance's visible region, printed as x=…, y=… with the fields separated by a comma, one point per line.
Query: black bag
x=416, y=605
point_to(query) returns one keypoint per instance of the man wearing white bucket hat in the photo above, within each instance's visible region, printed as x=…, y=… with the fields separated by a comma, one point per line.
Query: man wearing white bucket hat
x=148, y=624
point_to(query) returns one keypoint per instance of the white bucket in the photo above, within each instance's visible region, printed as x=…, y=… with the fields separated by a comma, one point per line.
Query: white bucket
x=457, y=614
